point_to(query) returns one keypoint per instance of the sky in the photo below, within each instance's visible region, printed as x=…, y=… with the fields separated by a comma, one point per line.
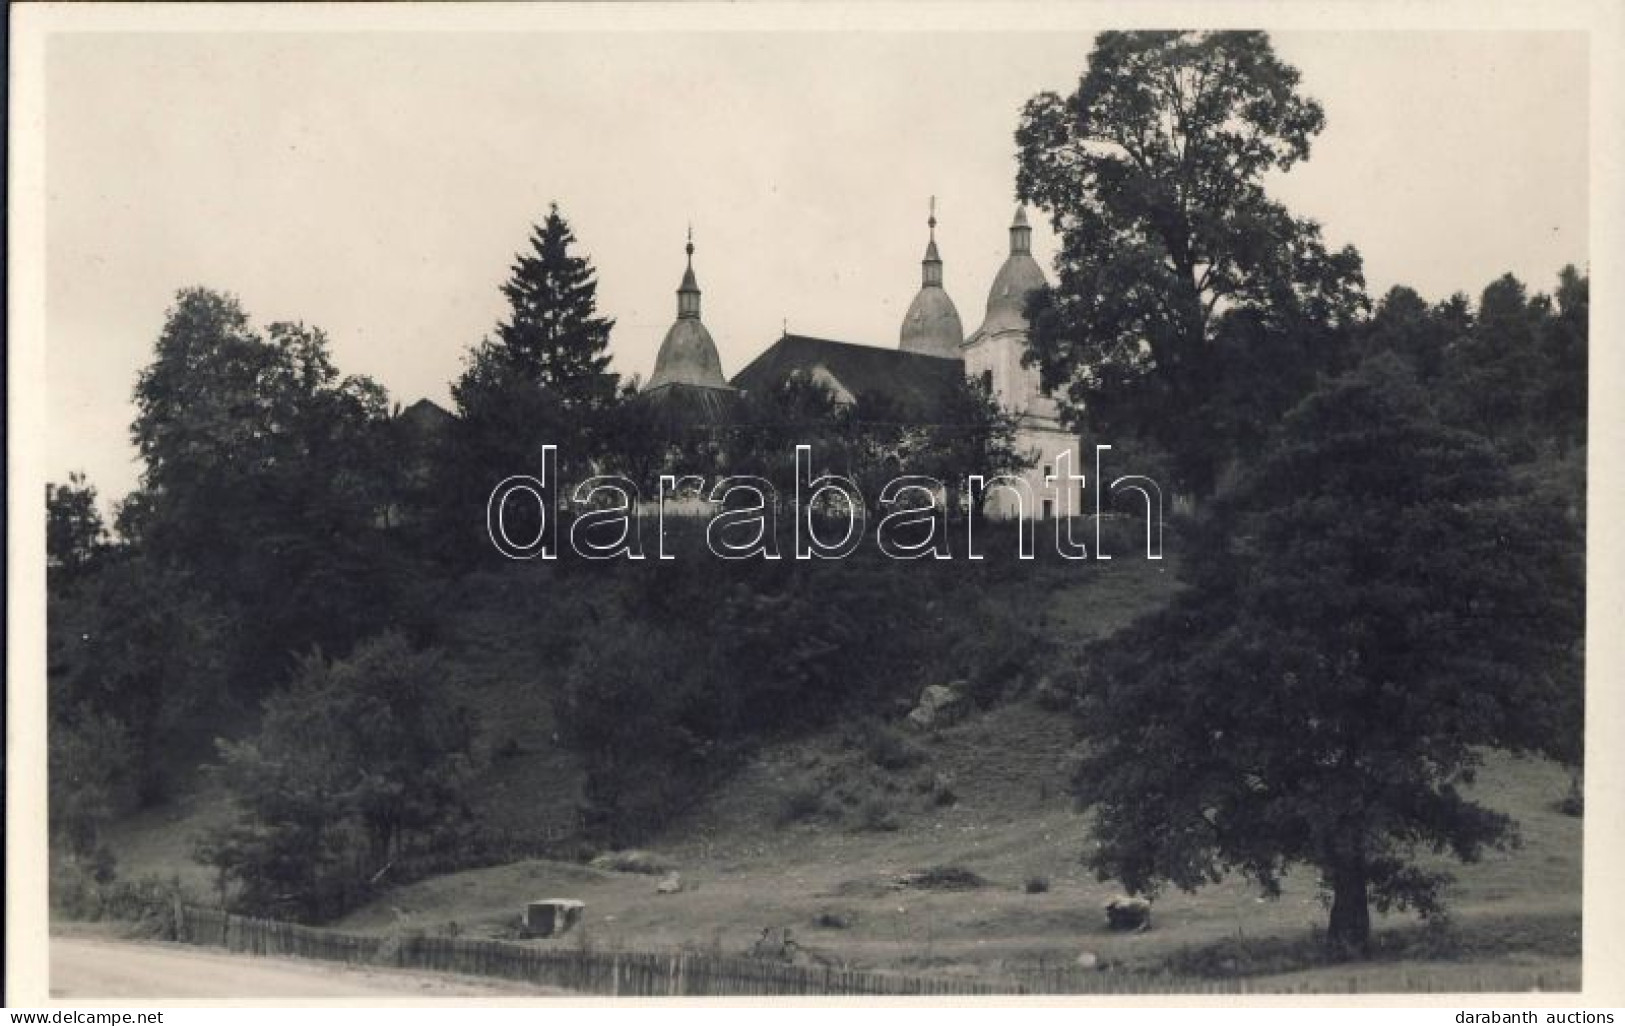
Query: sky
x=378, y=185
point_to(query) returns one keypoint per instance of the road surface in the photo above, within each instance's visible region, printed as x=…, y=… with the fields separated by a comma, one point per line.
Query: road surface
x=83, y=967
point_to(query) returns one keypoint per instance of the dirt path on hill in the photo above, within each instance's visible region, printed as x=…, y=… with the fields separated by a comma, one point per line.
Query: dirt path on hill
x=94, y=968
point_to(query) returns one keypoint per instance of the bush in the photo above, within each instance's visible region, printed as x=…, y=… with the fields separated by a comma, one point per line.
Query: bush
x=357, y=757
x=149, y=902
x=877, y=815
x=1037, y=885
x=998, y=654
x=942, y=790
x=633, y=861
x=1573, y=803
x=889, y=749
x=943, y=878
x=798, y=804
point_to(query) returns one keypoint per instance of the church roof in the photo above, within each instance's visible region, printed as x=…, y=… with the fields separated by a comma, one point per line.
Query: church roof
x=676, y=405
x=932, y=323
x=426, y=415
x=1007, y=299
x=917, y=383
x=687, y=355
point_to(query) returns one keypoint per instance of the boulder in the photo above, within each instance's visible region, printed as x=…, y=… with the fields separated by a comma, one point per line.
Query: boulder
x=940, y=705
x=1126, y=913
x=551, y=917
x=670, y=885
x=1088, y=960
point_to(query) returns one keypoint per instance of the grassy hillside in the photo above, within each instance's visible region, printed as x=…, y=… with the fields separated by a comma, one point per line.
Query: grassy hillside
x=818, y=836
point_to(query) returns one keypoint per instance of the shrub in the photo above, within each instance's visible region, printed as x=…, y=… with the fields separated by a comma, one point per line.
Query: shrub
x=800, y=803
x=877, y=815
x=357, y=758
x=943, y=878
x=633, y=861
x=890, y=750
x=1037, y=884
x=1573, y=803
x=998, y=655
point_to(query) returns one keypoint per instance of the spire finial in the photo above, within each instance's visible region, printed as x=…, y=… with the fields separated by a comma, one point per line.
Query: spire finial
x=688, y=293
x=1021, y=234
x=786, y=329
x=931, y=266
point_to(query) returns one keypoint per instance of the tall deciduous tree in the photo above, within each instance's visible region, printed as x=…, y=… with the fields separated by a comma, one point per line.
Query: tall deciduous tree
x=1496, y=370
x=1374, y=602
x=1174, y=263
x=262, y=477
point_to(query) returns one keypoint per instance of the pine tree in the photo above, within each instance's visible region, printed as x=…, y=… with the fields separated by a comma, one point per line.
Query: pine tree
x=553, y=335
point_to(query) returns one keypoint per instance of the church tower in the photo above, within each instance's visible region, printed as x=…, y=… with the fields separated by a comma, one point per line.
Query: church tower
x=932, y=325
x=993, y=352
x=993, y=355
x=688, y=358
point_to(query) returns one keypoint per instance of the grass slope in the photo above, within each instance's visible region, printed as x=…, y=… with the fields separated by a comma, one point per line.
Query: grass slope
x=813, y=836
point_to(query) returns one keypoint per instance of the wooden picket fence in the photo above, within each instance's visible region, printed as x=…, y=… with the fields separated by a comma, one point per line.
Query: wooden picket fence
x=583, y=970
x=690, y=974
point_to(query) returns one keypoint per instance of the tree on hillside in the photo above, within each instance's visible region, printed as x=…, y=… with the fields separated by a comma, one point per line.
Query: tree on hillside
x=973, y=434
x=353, y=761
x=1405, y=325
x=1495, y=371
x=1373, y=604
x=1174, y=264
x=1562, y=404
x=543, y=379
x=74, y=531
x=146, y=648
x=553, y=335
x=263, y=478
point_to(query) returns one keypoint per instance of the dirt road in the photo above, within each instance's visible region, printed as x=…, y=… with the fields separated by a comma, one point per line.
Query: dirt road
x=95, y=968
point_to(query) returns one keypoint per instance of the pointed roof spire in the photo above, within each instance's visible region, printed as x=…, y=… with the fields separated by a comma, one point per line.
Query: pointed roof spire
x=1021, y=235
x=688, y=293
x=931, y=266
x=932, y=325
x=1020, y=275
x=687, y=356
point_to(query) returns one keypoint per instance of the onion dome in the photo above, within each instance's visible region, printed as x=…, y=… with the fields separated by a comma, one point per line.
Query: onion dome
x=1007, y=299
x=932, y=325
x=688, y=356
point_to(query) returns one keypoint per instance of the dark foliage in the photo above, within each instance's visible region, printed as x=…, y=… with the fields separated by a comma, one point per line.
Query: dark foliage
x=1374, y=602
x=1179, y=281
x=354, y=763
